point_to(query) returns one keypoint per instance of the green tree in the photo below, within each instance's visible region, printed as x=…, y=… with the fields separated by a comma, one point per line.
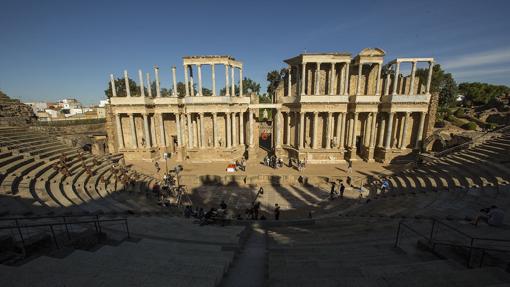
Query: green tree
x=274, y=78
x=441, y=83
x=120, y=88
x=249, y=86
x=482, y=93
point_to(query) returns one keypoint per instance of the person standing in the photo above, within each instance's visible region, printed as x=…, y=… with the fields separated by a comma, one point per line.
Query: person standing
x=349, y=166
x=342, y=189
x=276, y=211
x=333, y=191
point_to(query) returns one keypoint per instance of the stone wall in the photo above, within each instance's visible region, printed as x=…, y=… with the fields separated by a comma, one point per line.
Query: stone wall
x=14, y=113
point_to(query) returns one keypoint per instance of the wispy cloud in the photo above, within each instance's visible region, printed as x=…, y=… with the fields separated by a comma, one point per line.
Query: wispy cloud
x=475, y=72
x=478, y=59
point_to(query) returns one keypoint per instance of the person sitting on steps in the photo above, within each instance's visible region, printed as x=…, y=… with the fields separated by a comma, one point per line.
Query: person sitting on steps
x=494, y=216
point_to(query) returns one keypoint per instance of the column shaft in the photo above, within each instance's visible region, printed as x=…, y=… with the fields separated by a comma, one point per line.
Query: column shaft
x=404, y=132
x=178, y=128
x=353, y=133
x=287, y=128
x=429, y=78
x=358, y=84
x=191, y=82
x=250, y=114
x=380, y=141
x=174, y=81
x=395, y=80
x=317, y=78
x=241, y=128
x=329, y=129
x=228, y=130
x=420, y=131
x=120, y=134
x=140, y=78
x=372, y=130
x=340, y=130
x=314, y=131
x=378, y=80
x=147, y=131
x=332, y=89
x=156, y=74
x=215, y=129
x=233, y=83
x=347, y=79
x=202, y=133
x=240, y=82
x=182, y=120
x=199, y=67
x=413, y=76
x=126, y=81
x=301, y=129
x=190, y=131
x=389, y=126
x=133, y=130
x=388, y=83
x=303, y=78
x=213, y=80
x=162, y=130
x=234, y=129
x=289, y=81
x=186, y=80
x=227, y=85
x=112, y=84
x=277, y=128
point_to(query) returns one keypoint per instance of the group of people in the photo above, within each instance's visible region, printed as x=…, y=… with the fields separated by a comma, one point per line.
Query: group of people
x=273, y=161
x=241, y=164
x=334, y=192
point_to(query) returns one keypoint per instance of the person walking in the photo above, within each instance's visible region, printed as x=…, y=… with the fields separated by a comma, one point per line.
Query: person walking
x=276, y=211
x=349, y=166
x=333, y=191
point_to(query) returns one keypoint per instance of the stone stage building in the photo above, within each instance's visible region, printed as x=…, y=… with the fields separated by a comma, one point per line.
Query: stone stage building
x=329, y=107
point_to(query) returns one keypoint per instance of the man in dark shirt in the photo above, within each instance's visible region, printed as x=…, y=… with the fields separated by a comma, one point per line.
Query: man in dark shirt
x=276, y=211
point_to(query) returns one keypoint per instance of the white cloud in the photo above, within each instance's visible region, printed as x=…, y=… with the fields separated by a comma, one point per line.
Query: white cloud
x=474, y=72
x=478, y=59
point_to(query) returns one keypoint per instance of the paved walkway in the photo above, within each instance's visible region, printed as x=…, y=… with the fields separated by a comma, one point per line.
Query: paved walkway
x=249, y=269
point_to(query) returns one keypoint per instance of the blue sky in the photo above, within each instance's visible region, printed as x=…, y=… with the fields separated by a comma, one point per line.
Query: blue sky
x=51, y=50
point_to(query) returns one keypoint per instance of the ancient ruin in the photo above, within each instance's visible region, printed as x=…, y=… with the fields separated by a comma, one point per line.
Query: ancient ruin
x=330, y=107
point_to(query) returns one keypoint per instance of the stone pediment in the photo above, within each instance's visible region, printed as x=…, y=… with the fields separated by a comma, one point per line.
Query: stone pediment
x=372, y=52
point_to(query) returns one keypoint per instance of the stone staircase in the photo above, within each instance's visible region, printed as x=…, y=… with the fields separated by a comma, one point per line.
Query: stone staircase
x=29, y=185
x=361, y=252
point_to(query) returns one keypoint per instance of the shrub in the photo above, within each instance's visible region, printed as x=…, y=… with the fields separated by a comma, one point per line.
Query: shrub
x=471, y=126
x=459, y=113
x=440, y=124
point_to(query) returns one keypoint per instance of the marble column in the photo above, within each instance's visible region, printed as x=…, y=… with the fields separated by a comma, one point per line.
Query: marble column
x=240, y=82
x=332, y=89
x=233, y=83
x=301, y=129
x=340, y=130
x=388, y=83
x=287, y=128
x=162, y=130
x=202, y=133
x=303, y=78
x=420, y=131
x=241, y=128
x=178, y=128
x=250, y=115
x=380, y=140
x=156, y=74
x=358, y=84
x=182, y=121
x=148, y=141
x=186, y=80
x=234, y=129
x=112, y=84
x=314, y=132
x=353, y=132
x=140, y=78
x=174, y=81
x=395, y=80
x=120, y=133
x=413, y=76
x=429, y=77
x=199, y=68
x=228, y=130
x=133, y=130
x=389, y=126
x=277, y=120
x=347, y=79
x=191, y=81
x=126, y=81
x=149, y=87
x=227, y=85
x=404, y=132
x=329, y=129
x=378, y=80
x=215, y=129
x=213, y=79
x=289, y=81
x=373, y=130
x=318, y=78
x=190, y=131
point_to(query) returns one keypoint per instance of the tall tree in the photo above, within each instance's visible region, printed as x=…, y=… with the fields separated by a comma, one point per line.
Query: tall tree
x=274, y=78
x=481, y=93
x=442, y=83
x=120, y=88
x=249, y=85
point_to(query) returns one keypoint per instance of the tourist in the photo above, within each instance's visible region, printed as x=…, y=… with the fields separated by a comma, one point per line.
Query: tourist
x=256, y=208
x=276, y=211
x=384, y=186
x=200, y=213
x=143, y=142
x=310, y=215
x=223, y=205
x=349, y=166
x=333, y=191
x=494, y=216
x=156, y=165
x=188, y=212
x=342, y=189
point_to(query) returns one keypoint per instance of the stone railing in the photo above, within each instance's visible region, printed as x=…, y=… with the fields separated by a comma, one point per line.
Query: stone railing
x=178, y=100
